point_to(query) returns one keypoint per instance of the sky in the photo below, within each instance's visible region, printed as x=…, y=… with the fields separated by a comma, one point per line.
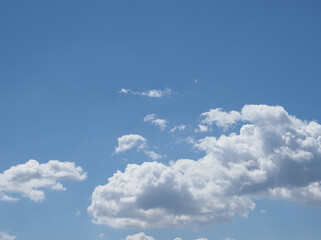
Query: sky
x=160, y=120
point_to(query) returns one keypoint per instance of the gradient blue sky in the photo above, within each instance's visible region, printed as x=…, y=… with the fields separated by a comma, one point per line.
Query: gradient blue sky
x=62, y=64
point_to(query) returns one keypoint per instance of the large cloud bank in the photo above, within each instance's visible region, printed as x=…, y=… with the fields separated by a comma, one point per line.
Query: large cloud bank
x=27, y=179
x=272, y=155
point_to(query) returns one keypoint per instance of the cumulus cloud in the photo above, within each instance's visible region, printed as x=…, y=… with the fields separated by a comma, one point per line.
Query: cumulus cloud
x=153, y=93
x=221, y=118
x=27, y=179
x=139, y=236
x=202, y=128
x=153, y=119
x=273, y=155
x=127, y=142
x=6, y=236
x=178, y=128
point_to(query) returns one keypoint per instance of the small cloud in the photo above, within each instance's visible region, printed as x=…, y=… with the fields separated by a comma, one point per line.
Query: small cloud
x=7, y=198
x=178, y=128
x=153, y=118
x=125, y=91
x=263, y=211
x=221, y=118
x=58, y=187
x=78, y=213
x=139, y=236
x=202, y=128
x=196, y=80
x=127, y=142
x=153, y=93
x=152, y=154
x=6, y=236
x=228, y=239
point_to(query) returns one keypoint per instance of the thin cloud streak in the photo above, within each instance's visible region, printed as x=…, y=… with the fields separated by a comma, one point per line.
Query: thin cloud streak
x=153, y=93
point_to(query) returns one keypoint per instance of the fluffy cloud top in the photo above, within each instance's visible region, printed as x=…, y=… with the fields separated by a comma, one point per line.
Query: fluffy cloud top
x=142, y=236
x=5, y=236
x=127, y=142
x=202, y=128
x=221, y=118
x=139, y=236
x=27, y=179
x=153, y=93
x=153, y=118
x=274, y=155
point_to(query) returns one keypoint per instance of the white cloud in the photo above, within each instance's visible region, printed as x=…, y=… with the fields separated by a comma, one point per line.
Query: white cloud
x=153, y=93
x=7, y=198
x=77, y=214
x=27, y=179
x=274, y=155
x=127, y=142
x=152, y=154
x=153, y=118
x=202, y=128
x=263, y=211
x=178, y=128
x=221, y=118
x=178, y=238
x=139, y=236
x=228, y=239
x=5, y=236
x=201, y=239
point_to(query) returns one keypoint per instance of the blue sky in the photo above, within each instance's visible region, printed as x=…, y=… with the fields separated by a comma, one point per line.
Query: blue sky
x=77, y=81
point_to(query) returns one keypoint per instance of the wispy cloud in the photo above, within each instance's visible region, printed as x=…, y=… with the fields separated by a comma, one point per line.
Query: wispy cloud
x=153, y=118
x=178, y=128
x=101, y=235
x=6, y=236
x=153, y=93
x=143, y=236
